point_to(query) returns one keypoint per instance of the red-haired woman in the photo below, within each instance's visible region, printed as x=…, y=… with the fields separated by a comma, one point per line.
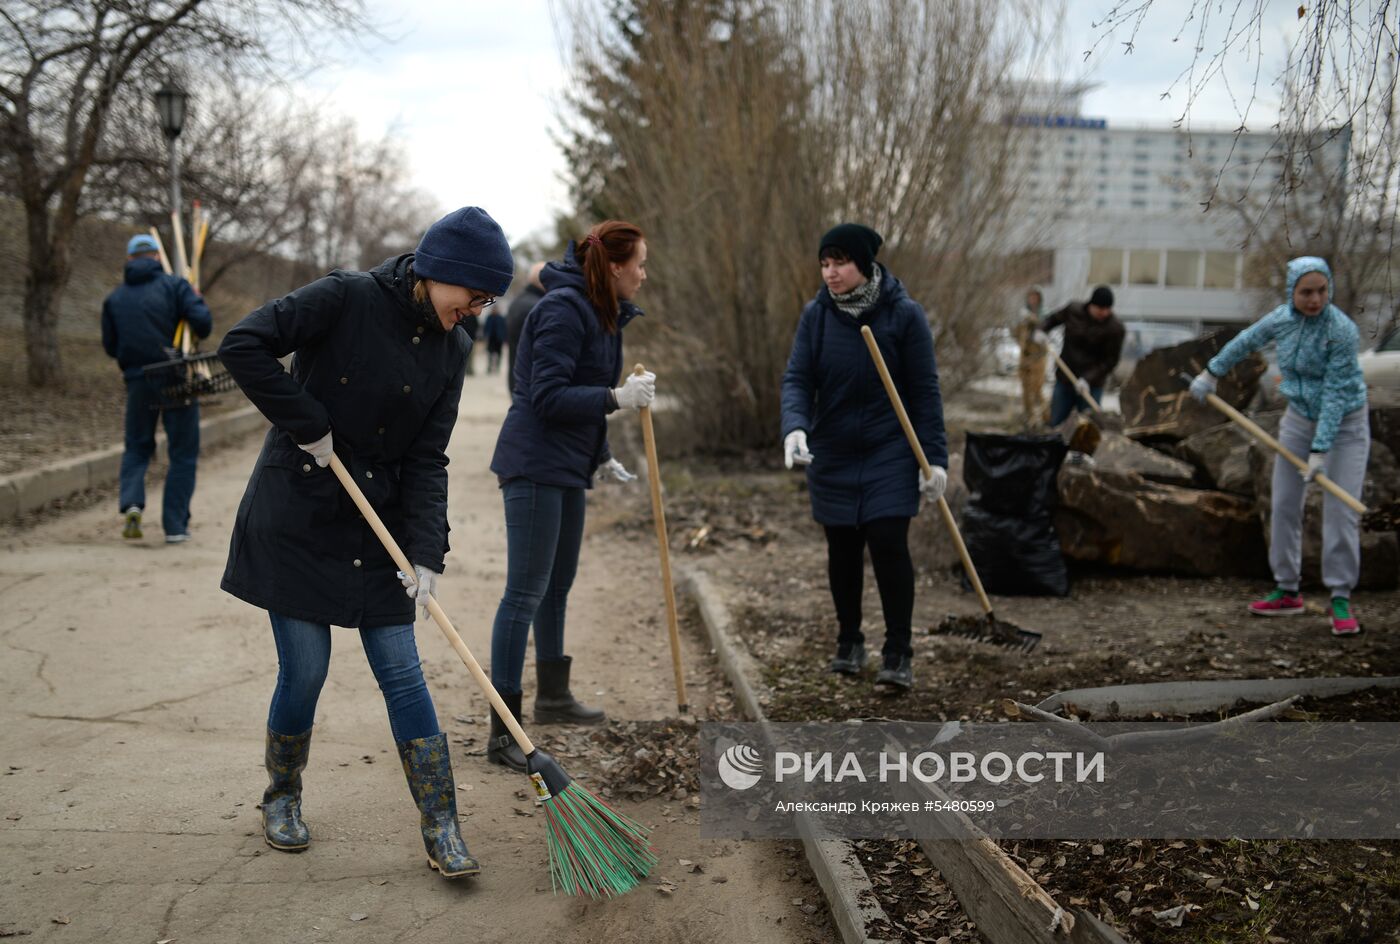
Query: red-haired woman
x=554, y=439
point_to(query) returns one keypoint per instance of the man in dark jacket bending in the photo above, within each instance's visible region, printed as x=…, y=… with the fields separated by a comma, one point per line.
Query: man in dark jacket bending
x=1093, y=344
x=138, y=328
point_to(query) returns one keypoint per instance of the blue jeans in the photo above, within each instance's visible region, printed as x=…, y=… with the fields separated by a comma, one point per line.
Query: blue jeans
x=304, y=654
x=1066, y=400
x=182, y=438
x=544, y=530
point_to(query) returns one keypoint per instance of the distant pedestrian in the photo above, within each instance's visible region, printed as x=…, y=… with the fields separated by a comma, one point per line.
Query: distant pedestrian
x=864, y=480
x=138, y=328
x=376, y=374
x=1327, y=418
x=528, y=298
x=471, y=324
x=1035, y=348
x=1093, y=345
x=495, y=332
x=554, y=440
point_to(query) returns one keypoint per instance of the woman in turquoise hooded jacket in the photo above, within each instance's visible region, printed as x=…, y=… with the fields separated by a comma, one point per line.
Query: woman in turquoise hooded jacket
x=1327, y=418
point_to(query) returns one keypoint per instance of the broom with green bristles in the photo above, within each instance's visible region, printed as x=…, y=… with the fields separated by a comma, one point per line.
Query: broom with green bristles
x=593, y=850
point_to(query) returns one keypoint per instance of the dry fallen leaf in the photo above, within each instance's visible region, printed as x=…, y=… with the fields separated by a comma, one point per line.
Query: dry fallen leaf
x=358, y=916
x=62, y=920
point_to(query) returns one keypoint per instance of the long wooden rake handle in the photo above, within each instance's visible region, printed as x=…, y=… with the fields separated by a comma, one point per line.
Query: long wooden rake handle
x=658, y=511
x=1073, y=381
x=434, y=609
x=1254, y=429
x=943, y=508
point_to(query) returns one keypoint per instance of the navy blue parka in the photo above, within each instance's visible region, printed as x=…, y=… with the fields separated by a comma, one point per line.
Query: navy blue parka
x=863, y=468
x=556, y=432
x=139, y=317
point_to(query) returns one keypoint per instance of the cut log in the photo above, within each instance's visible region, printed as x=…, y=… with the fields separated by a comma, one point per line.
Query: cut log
x=1221, y=454
x=1118, y=453
x=1155, y=403
x=1123, y=520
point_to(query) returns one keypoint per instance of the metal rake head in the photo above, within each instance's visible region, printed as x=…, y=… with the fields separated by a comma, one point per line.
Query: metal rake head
x=990, y=630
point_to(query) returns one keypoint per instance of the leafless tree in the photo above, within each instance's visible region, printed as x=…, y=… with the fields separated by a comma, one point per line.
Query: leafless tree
x=736, y=131
x=65, y=68
x=1337, y=148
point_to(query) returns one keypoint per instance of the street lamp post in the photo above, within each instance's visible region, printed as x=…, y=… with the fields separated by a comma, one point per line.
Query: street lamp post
x=170, y=106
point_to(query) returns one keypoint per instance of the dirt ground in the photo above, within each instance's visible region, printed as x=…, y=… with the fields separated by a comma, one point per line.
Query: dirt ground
x=748, y=524
x=131, y=733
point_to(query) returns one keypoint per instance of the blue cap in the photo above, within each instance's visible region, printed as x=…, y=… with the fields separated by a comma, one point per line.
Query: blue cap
x=467, y=248
x=142, y=243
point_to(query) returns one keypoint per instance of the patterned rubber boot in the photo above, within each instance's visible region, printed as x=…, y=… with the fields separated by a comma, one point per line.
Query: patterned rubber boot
x=285, y=757
x=1343, y=620
x=428, y=768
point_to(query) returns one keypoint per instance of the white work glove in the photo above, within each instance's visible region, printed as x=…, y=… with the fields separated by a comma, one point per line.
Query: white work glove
x=932, y=488
x=1082, y=386
x=420, y=586
x=637, y=391
x=321, y=450
x=1041, y=338
x=618, y=471
x=1316, y=463
x=795, y=449
x=1203, y=385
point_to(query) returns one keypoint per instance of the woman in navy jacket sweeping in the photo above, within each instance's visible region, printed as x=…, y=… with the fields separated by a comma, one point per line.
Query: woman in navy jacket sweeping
x=553, y=440
x=863, y=479
x=375, y=379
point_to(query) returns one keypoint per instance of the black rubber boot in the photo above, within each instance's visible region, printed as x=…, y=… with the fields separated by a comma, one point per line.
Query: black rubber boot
x=428, y=768
x=285, y=757
x=501, y=748
x=554, y=703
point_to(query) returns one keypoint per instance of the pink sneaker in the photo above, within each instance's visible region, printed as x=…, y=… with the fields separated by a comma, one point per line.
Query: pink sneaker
x=1279, y=603
x=1343, y=622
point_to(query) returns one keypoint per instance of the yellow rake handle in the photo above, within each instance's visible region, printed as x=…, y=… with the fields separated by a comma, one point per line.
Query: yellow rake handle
x=943, y=508
x=434, y=609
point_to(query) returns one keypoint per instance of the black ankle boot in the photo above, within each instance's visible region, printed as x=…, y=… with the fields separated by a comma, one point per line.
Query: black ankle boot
x=285, y=757
x=554, y=703
x=428, y=767
x=501, y=748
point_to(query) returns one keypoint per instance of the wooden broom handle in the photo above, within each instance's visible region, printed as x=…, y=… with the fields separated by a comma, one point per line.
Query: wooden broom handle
x=663, y=542
x=1073, y=380
x=1255, y=430
x=943, y=508
x=434, y=609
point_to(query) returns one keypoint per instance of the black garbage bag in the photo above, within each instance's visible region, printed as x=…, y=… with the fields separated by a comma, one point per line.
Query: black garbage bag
x=1007, y=523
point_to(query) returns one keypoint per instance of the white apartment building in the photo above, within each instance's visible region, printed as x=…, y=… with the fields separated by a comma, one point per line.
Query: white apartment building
x=1123, y=206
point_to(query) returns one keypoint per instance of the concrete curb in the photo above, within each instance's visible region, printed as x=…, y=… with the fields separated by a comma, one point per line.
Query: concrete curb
x=32, y=489
x=849, y=894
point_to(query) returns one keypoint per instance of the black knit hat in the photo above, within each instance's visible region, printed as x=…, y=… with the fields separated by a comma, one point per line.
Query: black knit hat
x=859, y=243
x=1103, y=297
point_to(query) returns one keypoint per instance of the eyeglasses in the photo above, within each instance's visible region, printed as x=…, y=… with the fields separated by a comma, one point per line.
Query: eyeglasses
x=481, y=302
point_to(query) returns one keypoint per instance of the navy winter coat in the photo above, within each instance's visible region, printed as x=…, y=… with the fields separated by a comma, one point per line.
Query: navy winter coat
x=556, y=432
x=373, y=367
x=139, y=317
x=862, y=467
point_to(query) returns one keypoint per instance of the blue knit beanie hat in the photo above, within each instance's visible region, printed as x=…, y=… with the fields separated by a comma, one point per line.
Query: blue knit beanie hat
x=141, y=243
x=467, y=248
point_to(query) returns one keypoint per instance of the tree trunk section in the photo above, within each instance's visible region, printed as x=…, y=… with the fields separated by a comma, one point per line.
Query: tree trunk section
x=41, y=293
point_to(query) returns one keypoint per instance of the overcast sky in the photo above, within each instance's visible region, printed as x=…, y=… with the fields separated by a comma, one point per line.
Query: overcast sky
x=474, y=87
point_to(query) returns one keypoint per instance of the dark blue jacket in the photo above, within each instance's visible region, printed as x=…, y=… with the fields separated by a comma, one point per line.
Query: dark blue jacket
x=373, y=367
x=556, y=432
x=862, y=467
x=139, y=318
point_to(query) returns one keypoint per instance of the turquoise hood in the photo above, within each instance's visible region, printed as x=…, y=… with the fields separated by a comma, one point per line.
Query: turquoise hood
x=1322, y=377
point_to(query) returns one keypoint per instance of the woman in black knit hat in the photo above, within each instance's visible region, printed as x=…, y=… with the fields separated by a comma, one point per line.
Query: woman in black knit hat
x=376, y=374
x=863, y=479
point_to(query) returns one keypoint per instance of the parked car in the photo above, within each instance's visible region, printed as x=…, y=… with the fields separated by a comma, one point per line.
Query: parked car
x=1142, y=338
x=1381, y=364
